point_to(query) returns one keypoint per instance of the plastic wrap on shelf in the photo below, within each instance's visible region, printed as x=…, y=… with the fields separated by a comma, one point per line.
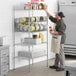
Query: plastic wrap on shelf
x=28, y=24
x=24, y=20
x=31, y=28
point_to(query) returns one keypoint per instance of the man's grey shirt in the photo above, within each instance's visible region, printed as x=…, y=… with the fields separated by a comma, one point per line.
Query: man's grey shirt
x=60, y=28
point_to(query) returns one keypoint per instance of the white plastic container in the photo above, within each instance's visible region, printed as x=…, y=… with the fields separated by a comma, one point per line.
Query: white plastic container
x=31, y=41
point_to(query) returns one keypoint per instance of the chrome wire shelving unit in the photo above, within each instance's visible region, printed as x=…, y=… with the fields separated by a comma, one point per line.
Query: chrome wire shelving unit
x=18, y=28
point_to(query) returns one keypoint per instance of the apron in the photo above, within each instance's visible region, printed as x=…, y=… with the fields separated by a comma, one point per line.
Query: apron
x=55, y=43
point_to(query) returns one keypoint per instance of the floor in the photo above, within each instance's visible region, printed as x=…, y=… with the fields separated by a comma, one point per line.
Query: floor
x=39, y=69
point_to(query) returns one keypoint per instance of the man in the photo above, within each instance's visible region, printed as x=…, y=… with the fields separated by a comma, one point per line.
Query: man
x=60, y=30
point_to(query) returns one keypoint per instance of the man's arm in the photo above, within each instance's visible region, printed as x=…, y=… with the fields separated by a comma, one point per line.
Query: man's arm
x=51, y=17
x=48, y=14
x=62, y=29
x=54, y=32
x=53, y=20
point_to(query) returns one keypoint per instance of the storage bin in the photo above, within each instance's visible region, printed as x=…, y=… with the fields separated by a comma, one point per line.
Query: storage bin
x=31, y=41
x=28, y=54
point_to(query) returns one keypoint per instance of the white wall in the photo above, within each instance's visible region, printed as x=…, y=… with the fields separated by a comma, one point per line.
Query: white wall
x=6, y=15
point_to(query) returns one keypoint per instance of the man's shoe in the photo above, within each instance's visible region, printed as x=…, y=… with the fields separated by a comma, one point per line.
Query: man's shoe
x=53, y=67
x=59, y=69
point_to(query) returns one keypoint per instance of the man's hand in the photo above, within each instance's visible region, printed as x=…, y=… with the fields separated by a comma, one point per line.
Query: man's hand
x=54, y=32
x=48, y=14
x=45, y=8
